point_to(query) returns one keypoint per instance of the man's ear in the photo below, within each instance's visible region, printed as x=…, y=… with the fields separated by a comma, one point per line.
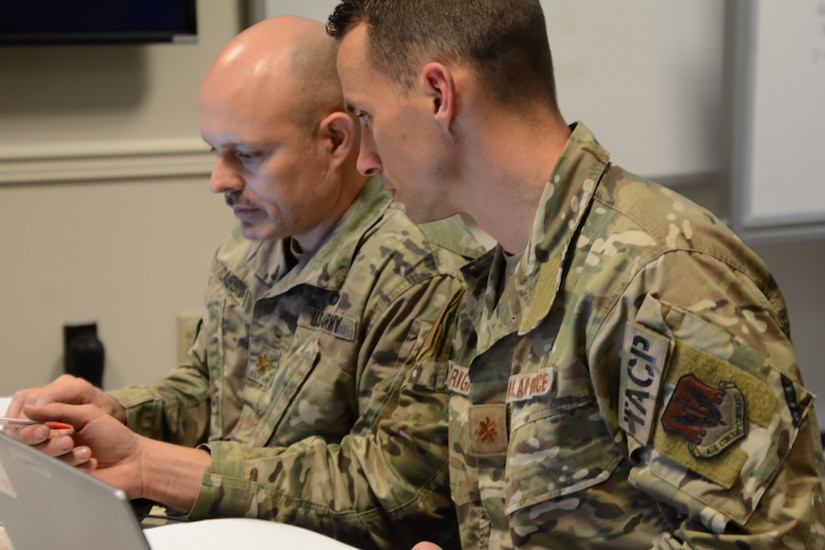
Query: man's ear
x=439, y=86
x=339, y=128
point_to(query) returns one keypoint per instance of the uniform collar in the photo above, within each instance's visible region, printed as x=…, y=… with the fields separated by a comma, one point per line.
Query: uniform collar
x=531, y=292
x=328, y=265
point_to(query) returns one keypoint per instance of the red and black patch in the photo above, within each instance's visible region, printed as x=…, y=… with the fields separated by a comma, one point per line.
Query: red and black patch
x=710, y=418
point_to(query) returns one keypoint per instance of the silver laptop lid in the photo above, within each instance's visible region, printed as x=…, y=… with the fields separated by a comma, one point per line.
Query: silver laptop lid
x=45, y=503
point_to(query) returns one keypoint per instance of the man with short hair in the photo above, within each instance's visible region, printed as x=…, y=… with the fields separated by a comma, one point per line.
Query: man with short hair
x=623, y=373
x=311, y=396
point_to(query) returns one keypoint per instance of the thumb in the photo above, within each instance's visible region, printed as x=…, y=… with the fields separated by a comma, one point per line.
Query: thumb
x=76, y=415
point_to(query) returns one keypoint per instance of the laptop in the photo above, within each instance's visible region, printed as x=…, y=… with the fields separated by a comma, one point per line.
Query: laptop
x=45, y=503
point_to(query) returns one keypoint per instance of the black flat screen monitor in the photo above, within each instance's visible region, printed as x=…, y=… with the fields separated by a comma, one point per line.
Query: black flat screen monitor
x=97, y=21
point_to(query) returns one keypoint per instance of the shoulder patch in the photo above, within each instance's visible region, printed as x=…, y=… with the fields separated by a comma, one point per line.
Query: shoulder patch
x=644, y=358
x=700, y=423
x=710, y=418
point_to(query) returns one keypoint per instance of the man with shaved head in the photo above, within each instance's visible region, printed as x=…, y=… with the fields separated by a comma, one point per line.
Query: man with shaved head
x=311, y=395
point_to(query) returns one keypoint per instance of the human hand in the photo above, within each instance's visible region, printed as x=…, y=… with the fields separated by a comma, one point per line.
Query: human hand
x=66, y=389
x=54, y=441
x=114, y=450
x=426, y=546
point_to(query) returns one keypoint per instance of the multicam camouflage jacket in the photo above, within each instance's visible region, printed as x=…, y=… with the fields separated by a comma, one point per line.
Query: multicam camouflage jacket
x=633, y=385
x=303, y=382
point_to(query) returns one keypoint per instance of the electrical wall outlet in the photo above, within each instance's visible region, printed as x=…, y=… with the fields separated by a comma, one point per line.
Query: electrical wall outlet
x=187, y=331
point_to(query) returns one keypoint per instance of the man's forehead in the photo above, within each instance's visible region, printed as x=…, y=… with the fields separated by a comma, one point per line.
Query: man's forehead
x=354, y=69
x=352, y=49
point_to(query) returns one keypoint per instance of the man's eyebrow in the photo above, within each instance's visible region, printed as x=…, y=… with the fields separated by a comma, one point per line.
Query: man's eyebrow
x=350, y=108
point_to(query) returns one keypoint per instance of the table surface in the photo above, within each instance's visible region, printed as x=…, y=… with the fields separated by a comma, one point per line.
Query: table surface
x=221, y=533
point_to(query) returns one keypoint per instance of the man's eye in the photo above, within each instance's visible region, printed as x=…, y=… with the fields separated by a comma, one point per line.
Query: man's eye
x=244, y=156
x=364, y=118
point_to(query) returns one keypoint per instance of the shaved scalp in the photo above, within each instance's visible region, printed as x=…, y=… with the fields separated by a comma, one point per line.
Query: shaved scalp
x=294, y=55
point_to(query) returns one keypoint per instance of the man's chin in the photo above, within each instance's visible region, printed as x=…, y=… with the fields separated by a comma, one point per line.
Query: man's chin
x=255, y=232
x=415, y=215
x=421, y=215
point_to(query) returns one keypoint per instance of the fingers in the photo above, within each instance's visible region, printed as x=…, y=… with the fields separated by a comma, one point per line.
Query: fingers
x=30, y=435
x=15, y=408
x=80, y=456
x=89, y=466
x=57, y=443
x=65, y=389
x=59, y=446
x=75, y=415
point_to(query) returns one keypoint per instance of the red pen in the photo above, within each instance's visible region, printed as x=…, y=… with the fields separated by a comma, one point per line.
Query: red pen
x=52, y=424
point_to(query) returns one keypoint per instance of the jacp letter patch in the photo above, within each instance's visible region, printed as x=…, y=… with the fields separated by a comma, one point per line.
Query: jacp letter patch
x=644, y=357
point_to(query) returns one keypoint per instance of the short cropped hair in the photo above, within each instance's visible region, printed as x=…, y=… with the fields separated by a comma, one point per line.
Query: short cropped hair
x=504, y=42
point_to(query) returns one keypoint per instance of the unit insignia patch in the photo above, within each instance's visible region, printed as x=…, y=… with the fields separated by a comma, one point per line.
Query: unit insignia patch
x=710, y=418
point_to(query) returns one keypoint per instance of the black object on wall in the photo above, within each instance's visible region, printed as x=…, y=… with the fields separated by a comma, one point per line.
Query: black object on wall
x=84, y=355
x=97, y=21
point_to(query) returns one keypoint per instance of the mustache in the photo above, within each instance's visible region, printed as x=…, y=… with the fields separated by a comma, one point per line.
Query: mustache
x=236, y=198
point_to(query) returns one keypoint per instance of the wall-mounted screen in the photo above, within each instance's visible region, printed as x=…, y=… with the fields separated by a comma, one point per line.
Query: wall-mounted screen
x=97, y=21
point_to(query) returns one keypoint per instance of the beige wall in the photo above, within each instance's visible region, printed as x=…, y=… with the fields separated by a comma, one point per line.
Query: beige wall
x=105, y=213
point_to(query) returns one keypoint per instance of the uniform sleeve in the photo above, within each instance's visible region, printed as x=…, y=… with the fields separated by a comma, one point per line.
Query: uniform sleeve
x=383, y=484
x=732, y=448
x=174, y=409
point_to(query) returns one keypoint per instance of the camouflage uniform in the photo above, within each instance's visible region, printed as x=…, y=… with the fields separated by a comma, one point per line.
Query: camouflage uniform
x=652, y=398
x=303, y=384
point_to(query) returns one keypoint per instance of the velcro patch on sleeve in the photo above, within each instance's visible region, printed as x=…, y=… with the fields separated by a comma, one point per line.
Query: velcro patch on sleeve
x=644, y=358
x=705, y=420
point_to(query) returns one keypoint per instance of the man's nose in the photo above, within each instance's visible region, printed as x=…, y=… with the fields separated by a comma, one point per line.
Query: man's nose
x=369, y=162
x=224, y=178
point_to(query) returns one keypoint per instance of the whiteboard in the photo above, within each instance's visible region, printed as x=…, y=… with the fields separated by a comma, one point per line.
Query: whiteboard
x=778, y=105
x=644, y=75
